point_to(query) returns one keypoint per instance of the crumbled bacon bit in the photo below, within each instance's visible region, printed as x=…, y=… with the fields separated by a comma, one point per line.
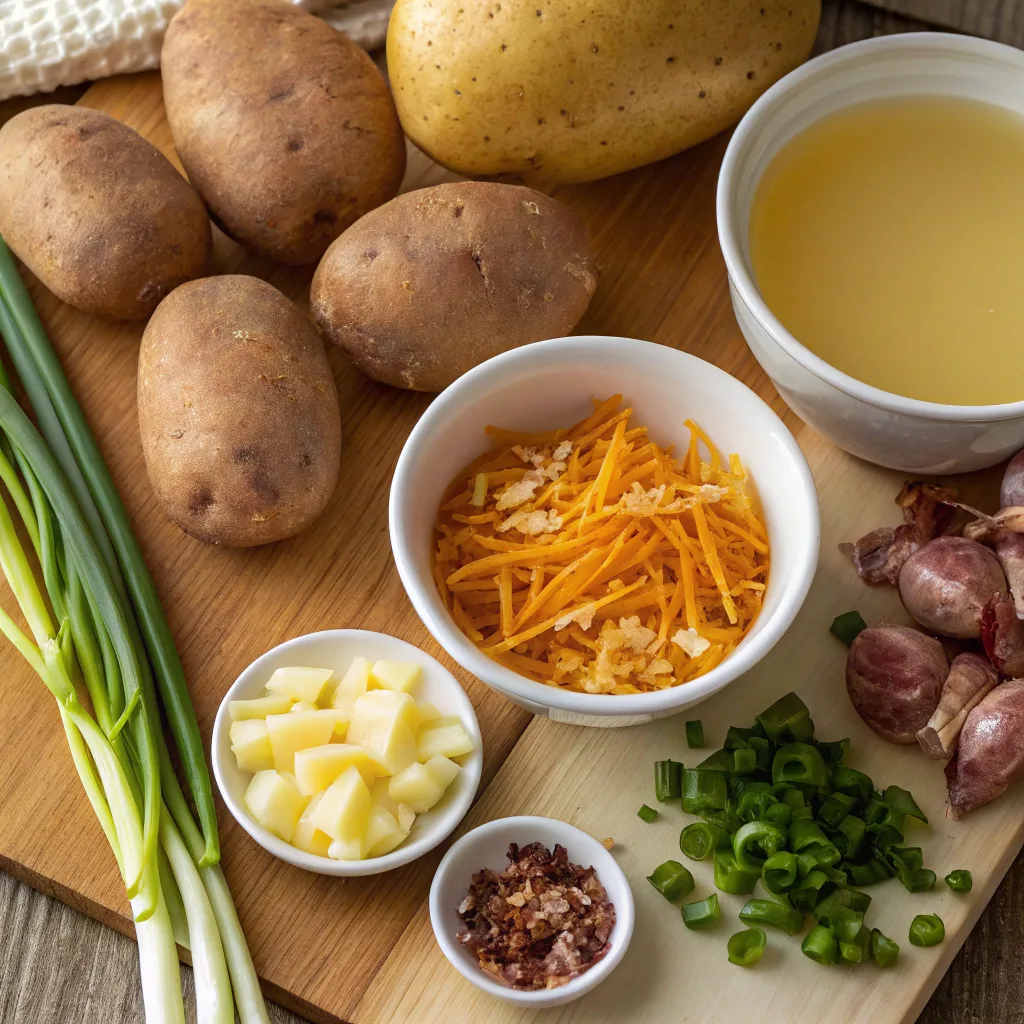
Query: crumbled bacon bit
x=531, y=524
x=520, y=490
x=690, y=642
x=928, y=512
x=584, y=615
x=539, y=923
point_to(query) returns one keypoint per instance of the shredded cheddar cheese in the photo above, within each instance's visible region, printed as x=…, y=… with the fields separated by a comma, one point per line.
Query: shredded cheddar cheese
x=589, y=558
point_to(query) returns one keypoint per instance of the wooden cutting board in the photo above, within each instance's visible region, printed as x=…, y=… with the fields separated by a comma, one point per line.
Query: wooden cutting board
x=361, y=950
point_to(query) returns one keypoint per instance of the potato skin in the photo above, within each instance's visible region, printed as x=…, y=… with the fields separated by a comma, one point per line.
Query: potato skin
x=285, y=126
x=581, y=89
x=96, y=212
x=238, y=412
x=429, y=285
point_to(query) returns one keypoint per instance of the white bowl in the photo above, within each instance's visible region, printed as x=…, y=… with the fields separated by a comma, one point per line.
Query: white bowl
x=550, y=384
x=486, y=847
x=335, y=649
x=902, y=433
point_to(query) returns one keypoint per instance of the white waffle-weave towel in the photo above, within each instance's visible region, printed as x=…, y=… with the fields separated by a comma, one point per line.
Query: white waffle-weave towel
x=48, y=43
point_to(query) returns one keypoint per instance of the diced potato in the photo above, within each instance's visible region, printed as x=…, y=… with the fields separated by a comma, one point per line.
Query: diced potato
x=395, y=675
x=381, y=722
x=317, y=767
x=442, y=771
x=426, y=712
x=345, y=808
x=273, y=799
x=443, y=736
x=296, y=731
x=383, y=833
x=304, y=705
x=354, y=683
x=406, y=816
x=346, y=849
x=250, y=743
x=299, y=683
x=307, y=836
x=416, y=787
x=241, y=710
x=380, y=796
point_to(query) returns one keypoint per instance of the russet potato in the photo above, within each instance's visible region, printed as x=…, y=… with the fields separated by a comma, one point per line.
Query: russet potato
x=573, y=90
x=97, y=212
x=284, y=125
x=238, y=412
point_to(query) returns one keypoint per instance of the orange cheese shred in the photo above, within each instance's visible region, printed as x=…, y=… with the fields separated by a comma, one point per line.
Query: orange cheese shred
x=591, y=559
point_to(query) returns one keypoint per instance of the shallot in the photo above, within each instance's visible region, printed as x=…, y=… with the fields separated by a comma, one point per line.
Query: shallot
x=971, y=676
x=990, y=755
x=1002, y=635
x=1004, y=532
x=946, y=584
x=894, y=676
x=1011, y=492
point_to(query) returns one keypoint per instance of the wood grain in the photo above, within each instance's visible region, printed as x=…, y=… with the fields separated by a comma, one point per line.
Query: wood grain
x=1002, y=20
x=665, y=284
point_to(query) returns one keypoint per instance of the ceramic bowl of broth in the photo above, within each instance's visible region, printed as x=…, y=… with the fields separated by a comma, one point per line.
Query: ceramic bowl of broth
x=869, y=211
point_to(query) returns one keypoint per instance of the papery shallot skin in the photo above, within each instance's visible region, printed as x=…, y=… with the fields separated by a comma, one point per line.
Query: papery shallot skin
x=990, y=754
x=971, y=677
x=1002, y=635
x=894, y=676
x=947, y=582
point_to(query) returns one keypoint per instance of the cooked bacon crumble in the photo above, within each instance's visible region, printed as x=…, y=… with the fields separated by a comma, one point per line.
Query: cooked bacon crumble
x=539, y=923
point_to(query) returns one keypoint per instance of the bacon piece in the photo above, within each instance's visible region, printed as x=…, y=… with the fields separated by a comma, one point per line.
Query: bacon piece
x=928, y=512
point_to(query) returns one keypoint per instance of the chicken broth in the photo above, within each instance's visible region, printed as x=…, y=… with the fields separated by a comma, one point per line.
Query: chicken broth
x=889, y=239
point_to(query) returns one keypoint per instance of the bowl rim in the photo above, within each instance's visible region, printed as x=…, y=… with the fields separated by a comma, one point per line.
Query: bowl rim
x=574, y=839
x=423, y=595
x=729, y=230
x=407, y=851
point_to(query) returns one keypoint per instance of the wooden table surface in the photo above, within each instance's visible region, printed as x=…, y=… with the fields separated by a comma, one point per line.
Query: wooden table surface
x=57, y=965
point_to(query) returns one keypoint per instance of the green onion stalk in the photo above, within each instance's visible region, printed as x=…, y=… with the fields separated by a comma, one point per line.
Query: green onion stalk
x=100, y=632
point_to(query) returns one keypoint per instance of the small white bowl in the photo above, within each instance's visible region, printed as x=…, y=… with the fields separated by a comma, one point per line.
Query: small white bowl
x=890, y=430
x=335, y=649
x=550, y=384
x=486, y=847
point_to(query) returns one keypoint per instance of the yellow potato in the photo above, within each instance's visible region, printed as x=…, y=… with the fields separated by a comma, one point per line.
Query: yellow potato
x=580, y=89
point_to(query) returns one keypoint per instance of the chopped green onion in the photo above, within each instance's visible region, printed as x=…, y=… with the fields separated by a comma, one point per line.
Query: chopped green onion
x=789, y=795
x=810, y=890
x=852, y=782
x=820, y=945
x=927, y=930
x=851, y=829
x=779, y=873
x=646, y=813
x=700, y=840
x=694, y=734
x=832, y=751
x=736, y=737
x=821, y=856
x=804, y=833
x=960, y=880
x=667, y=780
x=835, y=808
x=672, y=880
x=799, y=763
x=762, y=749
x=744, y=761
x=848, y=626
x=844, y=921
x=745, y=948
x=755, y=801
x=730, y=877
x=703, y=913
x=883, y=950
x=854, y=950
x=779, y=814
x=778, y=912
x=755, y=842
x=900, y=801
x=875, y=870
x=787, y=720
x=720, y=761
x=703, y=790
